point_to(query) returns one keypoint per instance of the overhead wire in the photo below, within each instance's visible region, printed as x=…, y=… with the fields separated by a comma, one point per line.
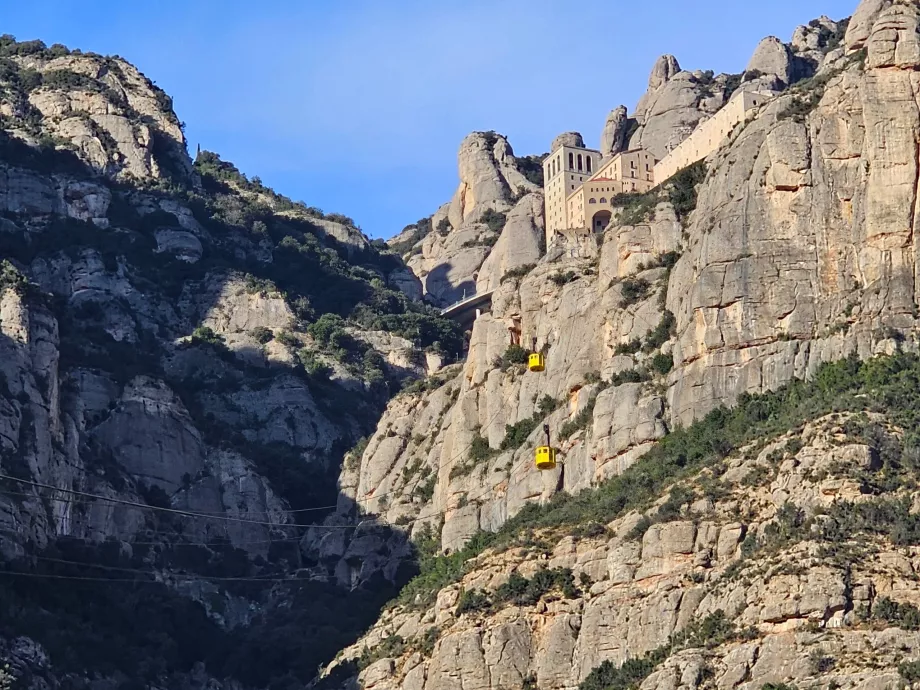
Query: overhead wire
x=376, y=522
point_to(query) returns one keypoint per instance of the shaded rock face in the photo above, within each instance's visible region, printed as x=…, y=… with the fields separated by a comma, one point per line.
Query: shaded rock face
x=166, y=413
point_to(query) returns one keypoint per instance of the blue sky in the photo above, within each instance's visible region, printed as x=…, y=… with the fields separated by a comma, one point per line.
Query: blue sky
x=359, y=107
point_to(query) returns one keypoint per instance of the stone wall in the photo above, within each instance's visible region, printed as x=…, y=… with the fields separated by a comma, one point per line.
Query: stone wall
x=709, y=135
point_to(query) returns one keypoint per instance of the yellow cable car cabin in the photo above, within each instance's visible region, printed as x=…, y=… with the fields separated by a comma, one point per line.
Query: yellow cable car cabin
x=545, y=458
x=536, y=362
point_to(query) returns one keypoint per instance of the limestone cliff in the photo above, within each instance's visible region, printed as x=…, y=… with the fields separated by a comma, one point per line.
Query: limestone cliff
x=794, y=247
x=185, y=357
x=764, y=567
x=178, y=337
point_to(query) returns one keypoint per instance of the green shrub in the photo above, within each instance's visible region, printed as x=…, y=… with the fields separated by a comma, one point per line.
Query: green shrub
x=516, y=434
x=472, y=600
x=390, y=647
x=800, y=106
x=314, y=367
x=662, y=363
x=262, y=334
x=636, y=207
x=515, y=355
x=661, y=334
x=903, y=615
x=630, y=348
x=494, y=219
x=425, y=489
x=630, y=376
x=206, y=335
x=13, y=279
x=518, y=272
x=633, y=290
x=910, y=671
x=531, y=167
x=480, y=451
x=682, y=189
x=288, y=339
x=520, y=591
x=563, y=278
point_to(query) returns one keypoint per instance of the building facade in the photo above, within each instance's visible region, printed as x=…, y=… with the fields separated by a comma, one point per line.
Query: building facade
x=579, y=184
x=564, y=172
x=591, y=205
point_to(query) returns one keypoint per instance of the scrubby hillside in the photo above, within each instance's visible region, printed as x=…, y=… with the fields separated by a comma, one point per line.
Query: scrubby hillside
x=771, y=544
x=185, y=356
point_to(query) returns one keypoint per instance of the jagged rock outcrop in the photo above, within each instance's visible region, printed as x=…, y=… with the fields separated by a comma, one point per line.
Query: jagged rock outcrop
x=573, y=139
x=862, y=21
x=772, y=60
x=113, y=116
x=675, y=103
x=614, y=136
x=465, y=248
x=663, y=70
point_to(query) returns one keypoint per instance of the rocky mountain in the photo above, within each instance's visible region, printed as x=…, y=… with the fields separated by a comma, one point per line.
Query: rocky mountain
x=185, y=356
x=731, y=384
x=680, y=545
x=493, y=223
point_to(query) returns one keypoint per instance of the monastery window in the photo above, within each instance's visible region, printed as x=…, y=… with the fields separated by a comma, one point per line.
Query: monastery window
x=632, y=164
x=589, y=163
x=580, y=163
x=603, y=200
x=593, y=201
x=571, y=160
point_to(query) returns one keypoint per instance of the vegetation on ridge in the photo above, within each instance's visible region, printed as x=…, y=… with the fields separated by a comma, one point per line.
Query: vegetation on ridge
x=680, y=191
x=887, y=383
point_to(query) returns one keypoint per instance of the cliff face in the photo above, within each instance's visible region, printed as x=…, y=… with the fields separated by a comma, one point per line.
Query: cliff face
x=185, y=357
x=727, y=581
x=795, y=249
x=798, y=251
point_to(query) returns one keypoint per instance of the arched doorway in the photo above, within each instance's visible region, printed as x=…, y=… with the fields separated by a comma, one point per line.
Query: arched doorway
x=600, y=221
